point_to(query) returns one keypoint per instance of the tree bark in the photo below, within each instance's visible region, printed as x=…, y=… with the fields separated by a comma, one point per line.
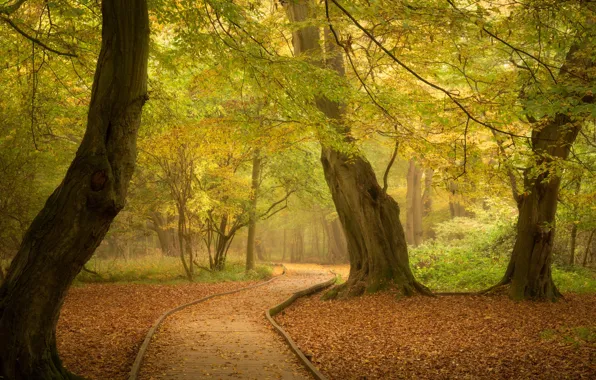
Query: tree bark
x=370, y=218
x=252, y=223
x=76, y=217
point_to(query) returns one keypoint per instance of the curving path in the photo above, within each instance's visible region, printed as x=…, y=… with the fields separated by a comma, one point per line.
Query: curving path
x=228, y=337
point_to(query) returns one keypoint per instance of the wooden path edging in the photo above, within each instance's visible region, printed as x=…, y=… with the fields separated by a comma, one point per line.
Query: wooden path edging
x=136, y=366
x=280, y=307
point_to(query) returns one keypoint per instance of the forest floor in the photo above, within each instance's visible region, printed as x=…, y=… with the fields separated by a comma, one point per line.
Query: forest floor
x=102, y=326
x=382, y=336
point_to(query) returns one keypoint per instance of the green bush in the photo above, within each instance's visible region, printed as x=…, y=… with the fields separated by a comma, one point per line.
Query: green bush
x=472, y=255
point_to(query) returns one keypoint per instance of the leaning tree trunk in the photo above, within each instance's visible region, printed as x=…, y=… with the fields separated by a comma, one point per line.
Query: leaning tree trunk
x=76, y=217
x=370, y=218
x=529, y=269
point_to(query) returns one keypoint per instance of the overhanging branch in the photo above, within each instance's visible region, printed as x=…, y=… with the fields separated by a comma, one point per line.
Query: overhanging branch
x=33, y=39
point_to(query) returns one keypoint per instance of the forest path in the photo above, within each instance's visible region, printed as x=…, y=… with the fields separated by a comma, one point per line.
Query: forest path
x=228, y=337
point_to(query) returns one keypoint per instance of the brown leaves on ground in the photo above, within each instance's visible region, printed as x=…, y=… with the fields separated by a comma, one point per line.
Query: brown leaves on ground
x=381, y=336
x=102, y=326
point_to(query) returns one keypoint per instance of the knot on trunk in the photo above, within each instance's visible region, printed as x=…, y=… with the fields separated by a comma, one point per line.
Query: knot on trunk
x=98, y=180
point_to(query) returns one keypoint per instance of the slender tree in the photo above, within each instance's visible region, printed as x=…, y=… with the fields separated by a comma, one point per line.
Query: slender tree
x=252, y=217
x=78, y=214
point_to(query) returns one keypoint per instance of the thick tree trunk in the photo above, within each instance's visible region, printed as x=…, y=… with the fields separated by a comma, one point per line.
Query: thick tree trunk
x=529, y=269
x=78, y=214
x=252, y=223
x=370, y=218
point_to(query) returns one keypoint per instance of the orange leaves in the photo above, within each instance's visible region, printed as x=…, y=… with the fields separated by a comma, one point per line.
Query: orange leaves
x=379, y=336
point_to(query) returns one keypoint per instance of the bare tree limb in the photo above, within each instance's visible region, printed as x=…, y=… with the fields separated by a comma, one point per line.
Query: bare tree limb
x=389, y=165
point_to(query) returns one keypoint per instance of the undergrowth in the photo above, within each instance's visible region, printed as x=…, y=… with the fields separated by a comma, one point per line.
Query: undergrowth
x=162, y=269
x=472, y=254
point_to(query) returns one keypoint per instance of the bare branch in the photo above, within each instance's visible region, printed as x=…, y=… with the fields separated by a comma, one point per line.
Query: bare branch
x=389, y=165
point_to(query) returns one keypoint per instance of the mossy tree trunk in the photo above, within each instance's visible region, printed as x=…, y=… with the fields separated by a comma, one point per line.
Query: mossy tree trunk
x=76, y=217
x=370, y=218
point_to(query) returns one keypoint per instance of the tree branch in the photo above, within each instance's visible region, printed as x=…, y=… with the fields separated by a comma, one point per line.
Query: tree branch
x=8, y=9
x=33, y=39
x=448, y=93
x=389, y=165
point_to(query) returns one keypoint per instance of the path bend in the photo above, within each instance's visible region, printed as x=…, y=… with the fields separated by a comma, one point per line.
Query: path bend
x=228, y=337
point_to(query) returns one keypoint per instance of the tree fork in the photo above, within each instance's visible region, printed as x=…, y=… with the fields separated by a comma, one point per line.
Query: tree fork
x=76, y=217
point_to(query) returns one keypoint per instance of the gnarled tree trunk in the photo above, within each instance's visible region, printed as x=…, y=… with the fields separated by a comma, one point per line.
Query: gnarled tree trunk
x=78, y=214
x=370, y=218
x=529, y=269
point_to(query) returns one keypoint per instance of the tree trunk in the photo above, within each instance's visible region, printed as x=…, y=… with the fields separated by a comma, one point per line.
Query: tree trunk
x=260, y=249
x=76, y=217
x=370, y=218
x=160, y=224
x=188, y=268
x=427, y=201
x=529, y=269
x=573, y=244
x=588, y=246
x=578, y=184
x=252, y=223
x=414, y=205
x=456, y=207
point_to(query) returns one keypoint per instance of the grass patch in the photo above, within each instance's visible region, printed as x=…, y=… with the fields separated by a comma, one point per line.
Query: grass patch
x=575, y=336
x=161, y=269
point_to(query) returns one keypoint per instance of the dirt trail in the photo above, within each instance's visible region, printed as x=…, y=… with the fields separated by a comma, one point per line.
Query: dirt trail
x=228, y=337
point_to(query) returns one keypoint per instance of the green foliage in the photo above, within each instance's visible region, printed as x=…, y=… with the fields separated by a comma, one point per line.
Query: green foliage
x=575, y=336
x=472, y=255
